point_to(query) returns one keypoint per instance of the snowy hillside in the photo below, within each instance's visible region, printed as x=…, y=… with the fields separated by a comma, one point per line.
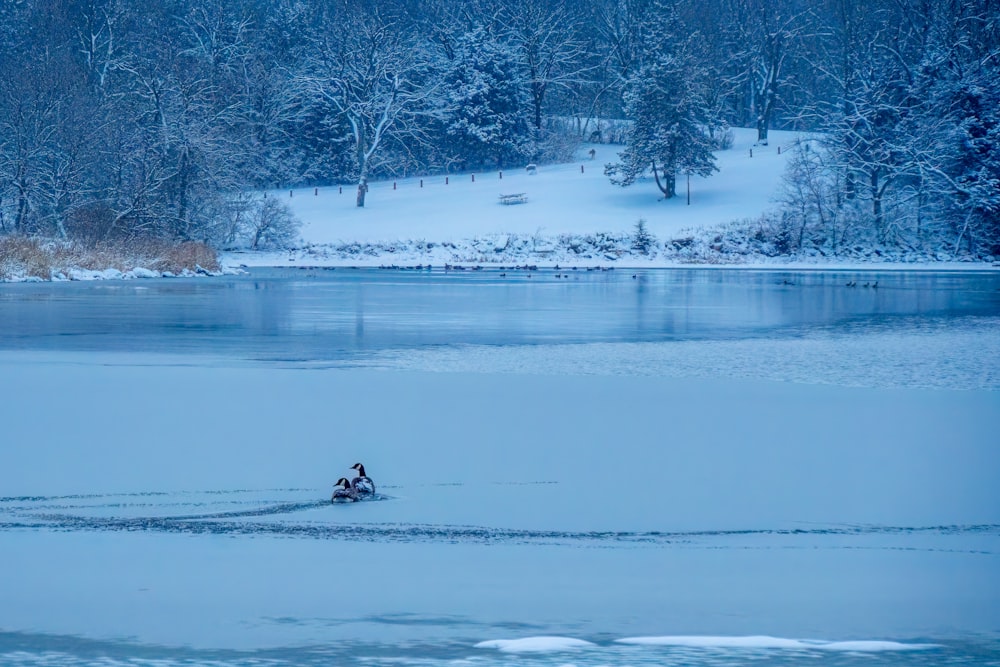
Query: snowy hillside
x=572, y=213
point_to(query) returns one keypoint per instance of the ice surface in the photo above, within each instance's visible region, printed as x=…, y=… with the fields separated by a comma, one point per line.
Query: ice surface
x=834, y=485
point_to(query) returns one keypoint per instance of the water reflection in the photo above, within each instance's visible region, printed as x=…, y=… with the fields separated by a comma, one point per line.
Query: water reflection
x=319, y=315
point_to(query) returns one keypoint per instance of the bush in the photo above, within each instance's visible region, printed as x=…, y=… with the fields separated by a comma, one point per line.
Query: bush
x=271, y=224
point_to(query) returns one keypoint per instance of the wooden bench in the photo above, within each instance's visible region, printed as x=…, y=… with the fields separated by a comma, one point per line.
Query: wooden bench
x=517, y=198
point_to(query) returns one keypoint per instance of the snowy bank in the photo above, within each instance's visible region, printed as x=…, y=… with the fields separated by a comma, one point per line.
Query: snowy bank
x=32, y=259
x=571, y=215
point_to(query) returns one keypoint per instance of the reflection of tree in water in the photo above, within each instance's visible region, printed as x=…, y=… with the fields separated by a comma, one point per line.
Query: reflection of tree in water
x=359, y=317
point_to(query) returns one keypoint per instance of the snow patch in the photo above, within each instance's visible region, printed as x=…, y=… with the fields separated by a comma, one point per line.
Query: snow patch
x=140, y=272
x=535, y=644
x=766, y=642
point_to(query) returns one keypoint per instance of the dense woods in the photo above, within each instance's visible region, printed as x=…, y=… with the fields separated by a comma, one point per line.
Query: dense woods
x=123, y=120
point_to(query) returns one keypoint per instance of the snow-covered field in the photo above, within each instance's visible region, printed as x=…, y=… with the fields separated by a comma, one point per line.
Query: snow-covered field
x=459, y=218
x=573, y=216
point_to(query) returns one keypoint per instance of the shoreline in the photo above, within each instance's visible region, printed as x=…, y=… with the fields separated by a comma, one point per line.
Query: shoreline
x=233, y=261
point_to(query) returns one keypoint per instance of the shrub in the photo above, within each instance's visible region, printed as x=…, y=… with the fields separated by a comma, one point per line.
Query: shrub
x=272, y=225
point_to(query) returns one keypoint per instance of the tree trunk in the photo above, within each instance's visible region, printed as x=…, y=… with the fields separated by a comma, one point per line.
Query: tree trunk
x=669, y=184
x=876, y=201
x=362, y=191
x=21, y=219
x=182, y=196
x=762, y=130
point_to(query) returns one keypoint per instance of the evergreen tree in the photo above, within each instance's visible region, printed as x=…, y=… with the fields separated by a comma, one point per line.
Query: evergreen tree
x=665, y=101
x=485, y=103
x=964, y=156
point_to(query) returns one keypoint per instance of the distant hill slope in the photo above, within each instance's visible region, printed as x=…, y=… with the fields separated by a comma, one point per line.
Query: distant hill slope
x=561, y=199
x=572, y=215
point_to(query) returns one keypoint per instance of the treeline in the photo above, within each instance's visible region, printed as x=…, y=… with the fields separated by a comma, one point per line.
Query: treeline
x=121, y=119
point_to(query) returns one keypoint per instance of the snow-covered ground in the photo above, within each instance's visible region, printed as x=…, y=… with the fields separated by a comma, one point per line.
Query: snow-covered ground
x=573, y=216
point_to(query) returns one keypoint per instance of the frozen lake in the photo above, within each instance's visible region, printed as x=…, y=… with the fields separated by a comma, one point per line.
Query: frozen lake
x=313, y=316
x=681, y=467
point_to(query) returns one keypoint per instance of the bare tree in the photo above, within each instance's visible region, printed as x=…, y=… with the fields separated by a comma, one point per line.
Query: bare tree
x=546, y=36
x=374, y=75
x=762, y=36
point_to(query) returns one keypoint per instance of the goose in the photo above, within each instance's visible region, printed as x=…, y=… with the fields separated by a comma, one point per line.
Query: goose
x=343, y=493
x=362, y=484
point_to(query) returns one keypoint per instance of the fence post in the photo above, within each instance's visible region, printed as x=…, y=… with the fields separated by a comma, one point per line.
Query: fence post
x=316, y=192
x=473, y=178
x=446, y=180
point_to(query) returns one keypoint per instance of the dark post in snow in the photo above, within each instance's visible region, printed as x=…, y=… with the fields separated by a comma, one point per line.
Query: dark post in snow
x=689, y=188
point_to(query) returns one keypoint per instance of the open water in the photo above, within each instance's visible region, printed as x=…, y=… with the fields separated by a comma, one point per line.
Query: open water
x=347, y=316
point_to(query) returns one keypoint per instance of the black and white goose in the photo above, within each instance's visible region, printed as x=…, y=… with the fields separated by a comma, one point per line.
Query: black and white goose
x=343, y=493
x=362, y=484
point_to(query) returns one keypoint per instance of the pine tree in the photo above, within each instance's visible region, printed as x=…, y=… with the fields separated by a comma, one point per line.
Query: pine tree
x=486, y=103
x=969, y=154
x=666, y=103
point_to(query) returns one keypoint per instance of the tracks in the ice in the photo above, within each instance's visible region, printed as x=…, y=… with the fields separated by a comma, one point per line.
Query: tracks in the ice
x=245, y=513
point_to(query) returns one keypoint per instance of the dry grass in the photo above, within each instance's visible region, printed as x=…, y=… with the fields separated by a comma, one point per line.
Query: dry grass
x=190, y=255
x=26, y=257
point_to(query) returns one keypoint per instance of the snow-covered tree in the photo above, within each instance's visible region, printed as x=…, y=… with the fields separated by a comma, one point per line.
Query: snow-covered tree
x=545, y=34
x=762, y=36
x=665, y=101
x=485, y=103
x=954, y=138
x=374, y=74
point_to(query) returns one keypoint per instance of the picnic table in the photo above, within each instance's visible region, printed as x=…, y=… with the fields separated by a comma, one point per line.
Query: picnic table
x=515, y=198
